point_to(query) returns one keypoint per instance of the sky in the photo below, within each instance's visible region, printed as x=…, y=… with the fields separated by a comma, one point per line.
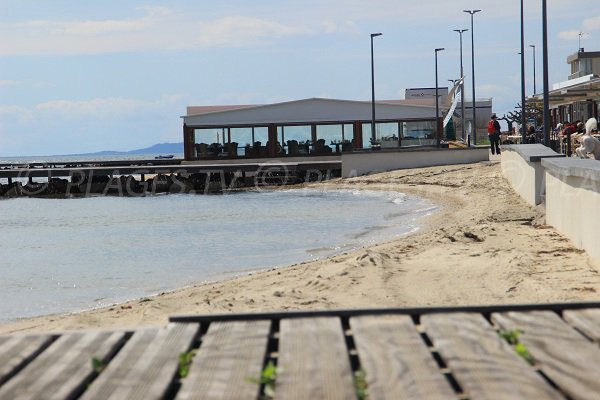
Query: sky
x=82, y=76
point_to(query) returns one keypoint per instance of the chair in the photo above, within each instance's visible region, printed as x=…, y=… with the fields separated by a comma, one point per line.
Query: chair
x=214, y=149
x=201, y=150
x=232, y=149
x=320, y=147
x=292, y=147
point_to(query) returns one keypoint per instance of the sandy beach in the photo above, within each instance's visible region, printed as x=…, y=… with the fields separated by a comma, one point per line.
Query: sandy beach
x=483, y=246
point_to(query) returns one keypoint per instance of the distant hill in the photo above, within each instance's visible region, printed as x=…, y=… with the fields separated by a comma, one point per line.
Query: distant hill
x=159, y=148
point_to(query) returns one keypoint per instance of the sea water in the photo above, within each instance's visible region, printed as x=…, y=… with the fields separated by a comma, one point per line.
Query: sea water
x=66, y=255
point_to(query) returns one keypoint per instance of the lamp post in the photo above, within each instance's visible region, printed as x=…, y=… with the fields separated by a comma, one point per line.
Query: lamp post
x=545, y=75
x=373, y=137
x=473, y=12
x=522, y=53
x=462, y=86
x=534, y=87
x=437, y=100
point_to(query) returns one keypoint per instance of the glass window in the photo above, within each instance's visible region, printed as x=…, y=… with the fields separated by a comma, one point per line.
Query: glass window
x=301, y=133
x=211, y=135
x=241, y=136
x=348, y=132
x=261, y=134
x=387, y=131
x=366, y=135
x=331, y=133
x=418, y=130
x=384, y=132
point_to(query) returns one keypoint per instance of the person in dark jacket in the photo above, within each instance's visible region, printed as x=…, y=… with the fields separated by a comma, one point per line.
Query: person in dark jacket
x=494, y=134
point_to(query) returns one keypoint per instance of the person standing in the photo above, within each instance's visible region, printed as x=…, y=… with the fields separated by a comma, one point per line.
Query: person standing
x=494, y=135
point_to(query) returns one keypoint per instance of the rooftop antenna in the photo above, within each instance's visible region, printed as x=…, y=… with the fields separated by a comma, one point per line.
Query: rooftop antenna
x=580, y=35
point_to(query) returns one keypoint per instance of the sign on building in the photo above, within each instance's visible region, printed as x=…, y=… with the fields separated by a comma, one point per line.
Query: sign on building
x=425, y=93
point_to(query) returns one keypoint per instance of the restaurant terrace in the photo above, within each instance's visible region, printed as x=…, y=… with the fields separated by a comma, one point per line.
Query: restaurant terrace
x=314, y=126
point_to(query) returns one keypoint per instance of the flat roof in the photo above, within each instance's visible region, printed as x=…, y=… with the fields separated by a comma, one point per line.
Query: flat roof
x=308, y=111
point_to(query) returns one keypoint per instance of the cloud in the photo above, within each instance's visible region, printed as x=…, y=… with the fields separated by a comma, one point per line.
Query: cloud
x=153, y=15
x=571, y=35
x=105, y=107
x=17, y=113
x=588, y=25
x=158, y=28
x=244, y=31
x=592, y=24
x=8, y=83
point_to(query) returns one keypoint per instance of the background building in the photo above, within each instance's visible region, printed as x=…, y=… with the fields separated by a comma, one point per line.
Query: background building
x=483, y=109
x=578, y=97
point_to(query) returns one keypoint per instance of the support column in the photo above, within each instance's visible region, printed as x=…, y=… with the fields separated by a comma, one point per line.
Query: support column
x=272, y=149
x=357, y=135
x=189, y=140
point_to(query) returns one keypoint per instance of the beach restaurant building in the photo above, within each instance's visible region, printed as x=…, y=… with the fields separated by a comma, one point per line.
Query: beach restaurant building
x=314, y=126
x=577, y=98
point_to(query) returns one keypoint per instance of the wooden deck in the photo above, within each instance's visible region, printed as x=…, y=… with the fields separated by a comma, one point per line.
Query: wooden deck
x=422, y=353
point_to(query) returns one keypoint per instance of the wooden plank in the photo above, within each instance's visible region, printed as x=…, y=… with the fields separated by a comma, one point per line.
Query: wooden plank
x=15, y=351
x=484, y=365
x=396, y=361
x=230, y=357
x=145, y=367
x=313, y=360
x=563, y=354
x=587, y=321
x=63, y=369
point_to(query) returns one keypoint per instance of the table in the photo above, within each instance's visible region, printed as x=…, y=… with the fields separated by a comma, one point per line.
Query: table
x=515, y=139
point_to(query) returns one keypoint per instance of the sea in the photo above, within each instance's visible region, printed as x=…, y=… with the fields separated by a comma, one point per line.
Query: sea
x=75, y=254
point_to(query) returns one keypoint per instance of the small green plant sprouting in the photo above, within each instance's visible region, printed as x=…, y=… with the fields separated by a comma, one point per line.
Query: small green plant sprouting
x=512, y=337
x=360, y=384
x=98, y=364
x=267, y=378
x=185, y=360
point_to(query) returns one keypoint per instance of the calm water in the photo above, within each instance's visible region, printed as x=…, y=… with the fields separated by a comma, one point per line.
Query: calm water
x=63, y=255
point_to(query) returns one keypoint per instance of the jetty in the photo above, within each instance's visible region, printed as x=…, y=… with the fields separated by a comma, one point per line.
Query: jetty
x=136, y=177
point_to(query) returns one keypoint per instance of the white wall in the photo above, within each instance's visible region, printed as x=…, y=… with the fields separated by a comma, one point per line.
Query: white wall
x=573, y=201
x=368, y=162
x=522, y=168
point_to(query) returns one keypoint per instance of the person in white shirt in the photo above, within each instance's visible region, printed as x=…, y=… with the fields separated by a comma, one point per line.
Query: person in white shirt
x=589, y=144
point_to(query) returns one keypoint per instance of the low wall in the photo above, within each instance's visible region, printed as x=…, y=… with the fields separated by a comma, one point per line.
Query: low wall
x=522, y=168
x=573, y=200
x=368, y=162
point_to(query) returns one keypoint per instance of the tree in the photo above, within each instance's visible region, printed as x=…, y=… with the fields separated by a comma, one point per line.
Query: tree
x=532, y=110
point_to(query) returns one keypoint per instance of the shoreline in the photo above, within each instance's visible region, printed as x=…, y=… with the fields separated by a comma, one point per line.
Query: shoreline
x=483, y=245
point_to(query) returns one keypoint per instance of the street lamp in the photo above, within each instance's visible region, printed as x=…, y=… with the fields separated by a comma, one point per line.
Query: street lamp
x=545, y=73
x=462, y=86
x=437, y=100
x=472, y=12
x=373, y=137
x=534, y=88
x=523, y=115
